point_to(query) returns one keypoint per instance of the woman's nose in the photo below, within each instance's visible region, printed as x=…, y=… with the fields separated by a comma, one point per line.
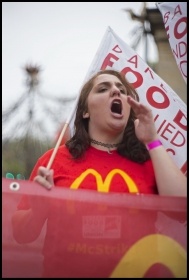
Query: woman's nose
x=115, y=91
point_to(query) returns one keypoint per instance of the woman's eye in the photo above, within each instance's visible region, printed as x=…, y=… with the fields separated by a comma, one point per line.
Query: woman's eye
x=102, y=89
x=123, y=91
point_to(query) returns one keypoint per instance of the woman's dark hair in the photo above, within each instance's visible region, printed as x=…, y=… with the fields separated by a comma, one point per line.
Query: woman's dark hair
x=130, y=147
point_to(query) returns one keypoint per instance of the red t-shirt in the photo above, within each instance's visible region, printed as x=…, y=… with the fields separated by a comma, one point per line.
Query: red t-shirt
x=100, y=171
x=68, y=251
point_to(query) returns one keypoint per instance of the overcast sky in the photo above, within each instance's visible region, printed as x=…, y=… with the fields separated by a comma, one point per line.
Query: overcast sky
x=62, y=38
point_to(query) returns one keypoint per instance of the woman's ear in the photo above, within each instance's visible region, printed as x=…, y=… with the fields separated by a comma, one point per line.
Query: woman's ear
x=86, y=115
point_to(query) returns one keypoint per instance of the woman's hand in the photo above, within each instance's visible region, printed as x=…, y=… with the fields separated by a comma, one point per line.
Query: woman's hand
x=144, y=124
x=45, y=177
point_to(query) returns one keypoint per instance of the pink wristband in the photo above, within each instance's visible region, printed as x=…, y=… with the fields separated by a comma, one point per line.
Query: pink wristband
x=154, y=144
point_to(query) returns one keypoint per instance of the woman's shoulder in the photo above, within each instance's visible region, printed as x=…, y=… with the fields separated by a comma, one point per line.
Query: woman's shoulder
x=148, y=169
x=148, y=163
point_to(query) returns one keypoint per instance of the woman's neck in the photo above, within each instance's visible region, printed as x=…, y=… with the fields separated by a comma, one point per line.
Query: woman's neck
x=104, y=146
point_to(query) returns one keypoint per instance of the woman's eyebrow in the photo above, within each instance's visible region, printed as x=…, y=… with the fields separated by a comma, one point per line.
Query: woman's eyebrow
x=118, y=84
x=103, y=84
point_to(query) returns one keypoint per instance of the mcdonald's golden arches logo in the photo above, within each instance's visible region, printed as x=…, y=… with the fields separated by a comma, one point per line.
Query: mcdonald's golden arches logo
x=104, y=186
x=151, y=249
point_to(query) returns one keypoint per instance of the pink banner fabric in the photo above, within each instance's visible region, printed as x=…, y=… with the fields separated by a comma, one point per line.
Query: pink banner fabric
x=93, y=235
